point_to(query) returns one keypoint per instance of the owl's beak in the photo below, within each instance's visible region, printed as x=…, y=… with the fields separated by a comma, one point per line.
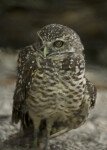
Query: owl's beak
x=45, y=52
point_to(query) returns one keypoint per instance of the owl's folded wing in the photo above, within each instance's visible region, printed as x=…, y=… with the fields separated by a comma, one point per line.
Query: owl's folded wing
x=26, y=68
x=92, y=91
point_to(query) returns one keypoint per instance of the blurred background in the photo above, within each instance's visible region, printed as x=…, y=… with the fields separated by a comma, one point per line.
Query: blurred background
x=19, y=21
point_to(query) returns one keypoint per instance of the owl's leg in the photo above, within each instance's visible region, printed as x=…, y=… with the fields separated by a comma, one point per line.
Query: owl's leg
x=46, y=134
x=36, y=132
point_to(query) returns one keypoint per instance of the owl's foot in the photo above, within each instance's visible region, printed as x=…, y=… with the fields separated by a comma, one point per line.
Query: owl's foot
x=40, y=142
x=43, y=146
x=40, y=145
x=43, y=140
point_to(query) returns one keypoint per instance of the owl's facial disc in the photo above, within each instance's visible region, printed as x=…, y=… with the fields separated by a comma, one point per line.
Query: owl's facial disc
x=55, y=39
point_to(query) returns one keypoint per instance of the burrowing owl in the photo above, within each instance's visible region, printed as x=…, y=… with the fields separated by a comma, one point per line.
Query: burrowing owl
x=52, y=92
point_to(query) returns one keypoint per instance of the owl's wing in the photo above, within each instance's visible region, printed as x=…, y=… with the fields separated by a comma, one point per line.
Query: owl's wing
x=92, y=91
x=26, y=68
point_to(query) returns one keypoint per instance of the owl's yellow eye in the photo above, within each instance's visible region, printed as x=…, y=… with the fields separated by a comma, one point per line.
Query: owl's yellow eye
x=58, y=43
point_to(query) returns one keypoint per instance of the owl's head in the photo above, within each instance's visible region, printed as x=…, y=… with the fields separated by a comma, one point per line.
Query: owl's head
x=57, y=39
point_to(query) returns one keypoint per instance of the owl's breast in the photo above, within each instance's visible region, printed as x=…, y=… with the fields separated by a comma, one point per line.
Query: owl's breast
x=56, y=88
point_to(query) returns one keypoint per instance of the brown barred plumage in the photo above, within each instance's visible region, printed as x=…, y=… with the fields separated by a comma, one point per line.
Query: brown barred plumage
x=51, y=89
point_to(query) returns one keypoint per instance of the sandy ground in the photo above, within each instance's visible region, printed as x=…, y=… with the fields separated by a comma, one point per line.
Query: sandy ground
x=91, y=136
